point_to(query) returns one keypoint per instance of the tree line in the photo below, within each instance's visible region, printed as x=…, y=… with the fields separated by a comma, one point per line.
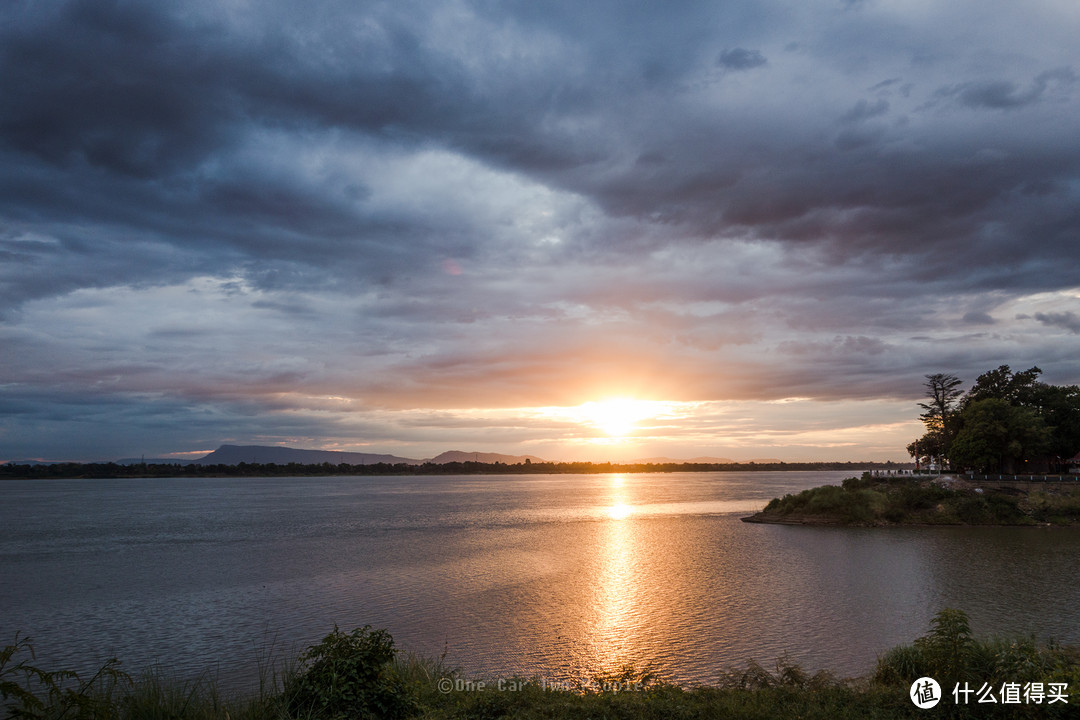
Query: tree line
x=1007, y=422
x=167, y=470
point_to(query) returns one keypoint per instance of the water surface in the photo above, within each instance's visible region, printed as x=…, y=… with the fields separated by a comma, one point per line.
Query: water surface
x=555, y=576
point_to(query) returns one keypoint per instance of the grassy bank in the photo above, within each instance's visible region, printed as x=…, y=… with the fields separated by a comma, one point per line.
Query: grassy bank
x=873, y=501
x=359, y=675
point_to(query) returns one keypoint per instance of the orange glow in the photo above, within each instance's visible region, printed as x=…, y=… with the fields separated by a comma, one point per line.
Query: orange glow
x=616, y=417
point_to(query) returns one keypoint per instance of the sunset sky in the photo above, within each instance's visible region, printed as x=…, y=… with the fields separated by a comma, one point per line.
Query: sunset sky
x=409, y=227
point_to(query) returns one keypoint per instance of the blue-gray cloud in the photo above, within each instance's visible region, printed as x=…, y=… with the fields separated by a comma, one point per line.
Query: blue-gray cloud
x=1006, y=94
x=1066, y=320
x=740, y=59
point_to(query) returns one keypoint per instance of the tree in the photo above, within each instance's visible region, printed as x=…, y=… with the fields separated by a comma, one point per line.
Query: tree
x=938, y=415
x=1059, y=405
x=1014, y=388
x=943, y=390
x=1005, y=420
x=998, y=437
x=929, y=445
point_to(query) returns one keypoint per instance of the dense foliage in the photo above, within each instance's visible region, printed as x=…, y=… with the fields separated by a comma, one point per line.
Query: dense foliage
x=906, y=500
x=1008, y=422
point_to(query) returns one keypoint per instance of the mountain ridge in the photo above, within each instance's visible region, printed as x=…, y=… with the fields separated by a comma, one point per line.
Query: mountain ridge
x=676, y=461
x=461, y=456
x=280, y=455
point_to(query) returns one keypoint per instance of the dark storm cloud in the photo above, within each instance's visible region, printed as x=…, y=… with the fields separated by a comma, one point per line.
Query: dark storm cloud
x=119, y=86
x=740, y=59
x=105, y=93
x=1066, y=320
x=1006, y=94
x=978, y=318
x=864, y=110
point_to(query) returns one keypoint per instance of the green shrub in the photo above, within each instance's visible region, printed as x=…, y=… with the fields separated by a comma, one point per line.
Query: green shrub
x=348, y=675
x=857, y=483
x=947, y=648
x=950, y=655
x=911, y=498
x=828, y=498
x=30, y=693
x=900, y=666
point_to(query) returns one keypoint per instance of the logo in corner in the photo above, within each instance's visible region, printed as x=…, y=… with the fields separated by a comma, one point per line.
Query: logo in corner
x=925, y=693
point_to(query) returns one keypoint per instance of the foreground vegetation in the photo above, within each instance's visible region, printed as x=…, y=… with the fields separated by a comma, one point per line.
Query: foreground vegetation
x=874, y=501
x=359, y=675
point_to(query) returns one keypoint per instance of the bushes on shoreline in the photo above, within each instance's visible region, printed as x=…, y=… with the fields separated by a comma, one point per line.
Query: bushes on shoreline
x=359, y=675
x=959, y=662
x=885, y=501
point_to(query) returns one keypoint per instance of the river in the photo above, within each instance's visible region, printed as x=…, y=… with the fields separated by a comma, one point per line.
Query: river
x=555, y=576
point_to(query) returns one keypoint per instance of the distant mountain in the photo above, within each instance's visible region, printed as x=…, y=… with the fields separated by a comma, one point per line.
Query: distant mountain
x=709, y=461
x=459, y=456
x=236, y=454
x=153, y=461
x=34, y=462
x=669, y=461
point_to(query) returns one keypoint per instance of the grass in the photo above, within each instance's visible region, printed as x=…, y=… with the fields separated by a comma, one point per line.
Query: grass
x=891, y=501
x=360, y=675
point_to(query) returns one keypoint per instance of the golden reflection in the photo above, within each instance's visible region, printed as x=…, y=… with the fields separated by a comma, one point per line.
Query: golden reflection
x=617, y=609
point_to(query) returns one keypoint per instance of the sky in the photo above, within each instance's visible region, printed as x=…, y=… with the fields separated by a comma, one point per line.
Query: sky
x=409, y=227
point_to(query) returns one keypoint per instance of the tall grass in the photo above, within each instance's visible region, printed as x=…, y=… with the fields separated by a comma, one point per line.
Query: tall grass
x=358, y=674
x=950, y=654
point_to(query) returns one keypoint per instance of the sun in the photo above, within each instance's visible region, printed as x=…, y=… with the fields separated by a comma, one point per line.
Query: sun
x=616, y=417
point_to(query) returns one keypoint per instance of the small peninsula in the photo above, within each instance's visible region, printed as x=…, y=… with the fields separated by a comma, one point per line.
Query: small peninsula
x=872, y=501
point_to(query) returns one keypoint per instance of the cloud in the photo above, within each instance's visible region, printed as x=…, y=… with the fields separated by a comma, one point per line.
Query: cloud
x=863, y=110
x=978, y=318
x=740, y=59
x=1065, y=320
x=1006, y=94
x=236, y=212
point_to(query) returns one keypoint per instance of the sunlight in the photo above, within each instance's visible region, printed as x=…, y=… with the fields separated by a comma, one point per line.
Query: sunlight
x=621, y=511
x=616, y=417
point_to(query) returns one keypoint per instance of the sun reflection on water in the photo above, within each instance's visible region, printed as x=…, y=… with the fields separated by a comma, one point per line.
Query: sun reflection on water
x=618, y=596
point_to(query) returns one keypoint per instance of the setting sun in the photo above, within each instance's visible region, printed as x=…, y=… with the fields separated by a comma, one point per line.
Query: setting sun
x=616, y=417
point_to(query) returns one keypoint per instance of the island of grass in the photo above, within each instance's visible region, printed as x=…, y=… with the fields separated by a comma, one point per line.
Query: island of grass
x=905, y=500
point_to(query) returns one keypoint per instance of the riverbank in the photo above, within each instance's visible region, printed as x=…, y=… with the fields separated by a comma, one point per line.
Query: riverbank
x=360, y=675
x=872, y=501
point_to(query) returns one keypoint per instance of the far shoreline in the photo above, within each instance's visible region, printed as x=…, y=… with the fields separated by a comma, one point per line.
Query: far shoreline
x=18, y=471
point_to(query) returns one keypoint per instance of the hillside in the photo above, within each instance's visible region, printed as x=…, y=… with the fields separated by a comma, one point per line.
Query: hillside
x=264, y=454
x=676, y=461
x=459, y=456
